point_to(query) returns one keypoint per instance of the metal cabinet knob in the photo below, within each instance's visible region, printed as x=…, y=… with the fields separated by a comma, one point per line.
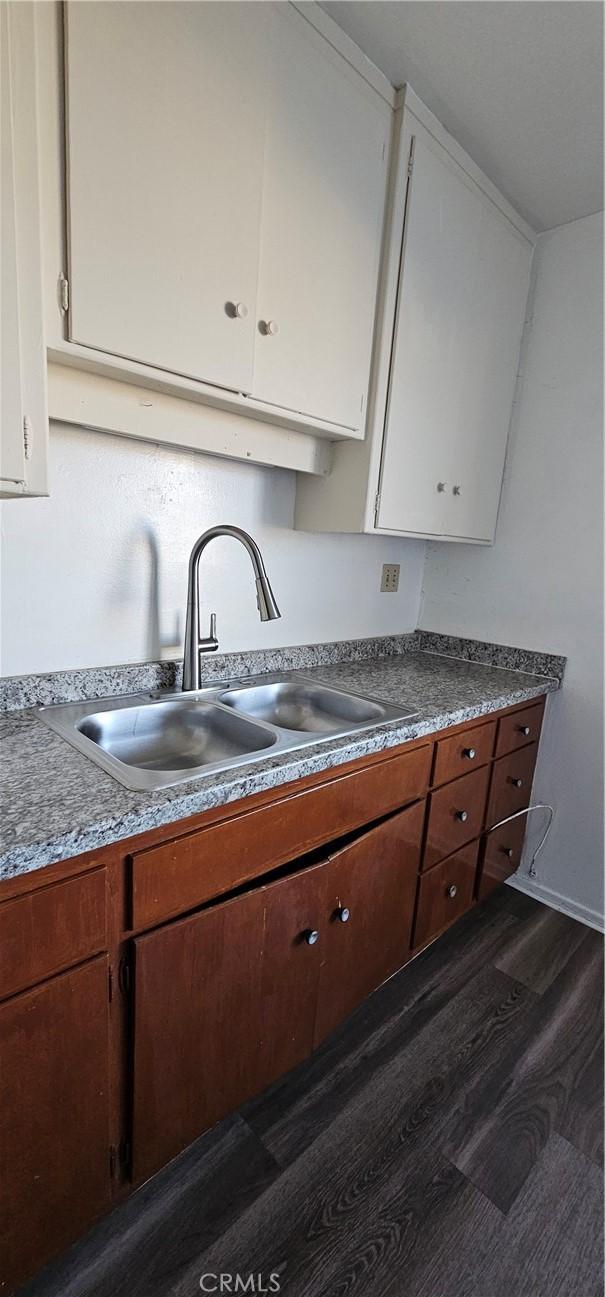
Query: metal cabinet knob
x=268, y=328
x=469, y=753
x=462, y=815
x=311, y=936
x=517, y=783
x=236, y=310
x=343, y=914
x=456, y=490
x=441, y=487
x=452, y=890
x=524, y=729
x=507, y=851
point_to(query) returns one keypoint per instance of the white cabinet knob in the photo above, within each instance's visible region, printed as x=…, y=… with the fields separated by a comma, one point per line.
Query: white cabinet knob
x=441, y=487
x=236, y=310
x=268, y=328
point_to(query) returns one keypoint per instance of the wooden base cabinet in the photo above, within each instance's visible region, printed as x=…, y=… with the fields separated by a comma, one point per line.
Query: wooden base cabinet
x=54, y=1116
x=149, y=989
x=234, y=996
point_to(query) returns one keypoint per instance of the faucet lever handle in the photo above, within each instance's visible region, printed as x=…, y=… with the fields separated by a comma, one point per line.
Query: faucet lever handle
x=210, y=644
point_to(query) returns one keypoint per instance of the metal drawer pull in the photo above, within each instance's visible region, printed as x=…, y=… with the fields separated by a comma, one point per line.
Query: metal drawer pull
x=462, y=815
x=470, y=753
x=524, y=729
x=311, y=936
x=452, y=890
x=343, y=914
x=508, y=851
x=517, y=783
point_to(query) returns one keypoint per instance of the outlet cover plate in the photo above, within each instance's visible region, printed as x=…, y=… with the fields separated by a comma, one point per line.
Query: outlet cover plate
x=390, y=578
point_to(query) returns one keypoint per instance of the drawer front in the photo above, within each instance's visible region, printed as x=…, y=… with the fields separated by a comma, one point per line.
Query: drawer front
x=501, y=855
x=464, y=752
x=512, y=778
x=51, y=929
x=520, y=728
x=445, y=893
x=456, y=815
x=181, y=874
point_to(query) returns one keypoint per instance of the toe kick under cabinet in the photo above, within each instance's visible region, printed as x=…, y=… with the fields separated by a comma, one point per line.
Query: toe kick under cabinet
x=150, y=988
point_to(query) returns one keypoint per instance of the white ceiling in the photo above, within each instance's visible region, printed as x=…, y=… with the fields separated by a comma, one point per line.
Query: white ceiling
x=519, y=84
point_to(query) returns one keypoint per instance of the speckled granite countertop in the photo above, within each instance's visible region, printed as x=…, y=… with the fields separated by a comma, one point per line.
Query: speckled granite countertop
x=56, y=803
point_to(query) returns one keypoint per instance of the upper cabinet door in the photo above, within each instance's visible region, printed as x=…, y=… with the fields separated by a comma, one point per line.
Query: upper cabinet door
x=323, y=201
x=165, y=132
x=461, y=305
x=23, y=401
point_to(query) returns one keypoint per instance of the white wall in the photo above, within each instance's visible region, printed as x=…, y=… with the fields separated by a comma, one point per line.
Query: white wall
x=541, y=586
x=77, y=567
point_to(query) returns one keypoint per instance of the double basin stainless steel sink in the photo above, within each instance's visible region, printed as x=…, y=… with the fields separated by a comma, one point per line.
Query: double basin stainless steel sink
x=151, y=741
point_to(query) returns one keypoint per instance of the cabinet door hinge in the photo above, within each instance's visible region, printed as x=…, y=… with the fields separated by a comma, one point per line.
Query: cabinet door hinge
x=113, y=1161
x=63, y=292
x=411, y=158
x=376, y=508
x=28, y=437
x=110, y=984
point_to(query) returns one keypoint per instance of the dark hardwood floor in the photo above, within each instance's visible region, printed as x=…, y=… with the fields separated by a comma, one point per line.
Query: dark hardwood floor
x=447, y=1141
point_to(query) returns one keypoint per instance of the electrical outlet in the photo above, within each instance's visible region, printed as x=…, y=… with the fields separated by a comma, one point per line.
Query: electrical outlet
x=390, y=578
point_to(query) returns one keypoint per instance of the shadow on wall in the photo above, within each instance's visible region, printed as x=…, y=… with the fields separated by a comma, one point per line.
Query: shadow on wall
x=167, y=644
x=142, y=551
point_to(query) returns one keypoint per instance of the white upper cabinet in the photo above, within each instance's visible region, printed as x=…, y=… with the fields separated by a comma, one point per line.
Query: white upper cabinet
x=23, y=403
x=225, y=194
x=454, y=293
x=165, y=128
x=325, y=181
x=461, y=303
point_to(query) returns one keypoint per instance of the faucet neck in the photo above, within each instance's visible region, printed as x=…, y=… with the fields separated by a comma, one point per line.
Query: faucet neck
x=195, y=643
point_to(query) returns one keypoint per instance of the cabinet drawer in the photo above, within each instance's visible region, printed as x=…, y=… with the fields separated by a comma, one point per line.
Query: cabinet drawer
x=50, y=930
x=445, y=893
x=501, y=855
x=456, y=815
x=520, y=728
x=464, y=752
x=512, y=778
x=181, y=874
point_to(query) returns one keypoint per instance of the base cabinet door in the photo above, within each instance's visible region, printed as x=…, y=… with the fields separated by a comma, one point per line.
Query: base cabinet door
x=224, y=1002
x=371, y=888
x=232, y=997
x=54, y=1117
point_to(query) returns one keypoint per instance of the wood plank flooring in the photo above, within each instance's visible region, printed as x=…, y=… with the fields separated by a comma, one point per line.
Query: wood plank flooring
x=446, y=1141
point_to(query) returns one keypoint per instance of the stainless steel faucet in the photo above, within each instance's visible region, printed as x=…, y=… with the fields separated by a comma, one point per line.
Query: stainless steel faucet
x=195, y=643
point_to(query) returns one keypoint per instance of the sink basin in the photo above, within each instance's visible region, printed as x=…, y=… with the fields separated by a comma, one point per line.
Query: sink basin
x=313, y=708
x=174, y=735
x=149, y=744
x=151, y=741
